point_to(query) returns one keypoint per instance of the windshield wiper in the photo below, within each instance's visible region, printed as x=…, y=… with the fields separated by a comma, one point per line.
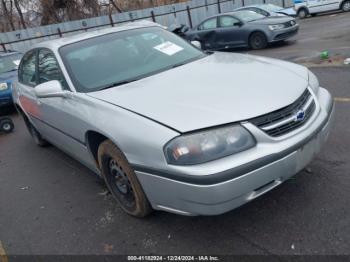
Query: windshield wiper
x=118, y=84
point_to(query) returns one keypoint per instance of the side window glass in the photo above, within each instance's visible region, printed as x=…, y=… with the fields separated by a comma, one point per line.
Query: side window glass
x=260, y=11
x=27, y=74
x=209, y=24
x=49, y=69
x=228, y=21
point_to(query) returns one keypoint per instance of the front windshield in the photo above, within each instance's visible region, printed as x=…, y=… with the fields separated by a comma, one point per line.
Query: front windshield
x=113, y=59
x=271, y=7
x=9, y=63
x=248, y=16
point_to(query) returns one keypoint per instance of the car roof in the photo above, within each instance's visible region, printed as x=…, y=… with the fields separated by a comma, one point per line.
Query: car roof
x=59, y=42
x=227, y=13
x=261, y=6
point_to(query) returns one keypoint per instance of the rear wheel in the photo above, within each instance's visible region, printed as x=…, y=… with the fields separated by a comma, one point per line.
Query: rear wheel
x=346, y=6
x=121, y=180
x=257, y=40
x=302, y=13
x=6, y=125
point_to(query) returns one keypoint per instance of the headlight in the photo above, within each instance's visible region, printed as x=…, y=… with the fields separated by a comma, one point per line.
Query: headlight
x=313, y=82
x=205, y=146
x=3, y=86
x=276, y=27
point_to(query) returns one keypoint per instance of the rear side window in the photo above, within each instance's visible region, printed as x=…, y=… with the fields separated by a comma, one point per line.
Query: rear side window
x=209, y=24
x=27, y=74
x=49, y=69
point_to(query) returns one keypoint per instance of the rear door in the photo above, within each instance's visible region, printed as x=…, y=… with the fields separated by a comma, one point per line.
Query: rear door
x=230, y=32
x=317, y=6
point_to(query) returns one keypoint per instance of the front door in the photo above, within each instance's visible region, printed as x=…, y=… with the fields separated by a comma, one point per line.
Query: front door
x=230, y=33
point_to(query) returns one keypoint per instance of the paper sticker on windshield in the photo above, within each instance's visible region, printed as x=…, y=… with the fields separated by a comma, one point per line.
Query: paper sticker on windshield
x=168, y=48
x=16, y=62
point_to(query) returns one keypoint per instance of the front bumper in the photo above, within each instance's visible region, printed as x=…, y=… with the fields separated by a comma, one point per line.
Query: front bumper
x=280, y=35
x=247, y=181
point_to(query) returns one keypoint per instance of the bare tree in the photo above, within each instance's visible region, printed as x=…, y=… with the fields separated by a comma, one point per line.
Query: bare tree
x=19, y=11
x=8, y=13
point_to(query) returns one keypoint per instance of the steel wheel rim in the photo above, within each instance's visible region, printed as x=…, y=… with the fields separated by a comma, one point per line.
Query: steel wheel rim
x=6, y=127
x=257, y=41
x=346, y=6
x=120, y=183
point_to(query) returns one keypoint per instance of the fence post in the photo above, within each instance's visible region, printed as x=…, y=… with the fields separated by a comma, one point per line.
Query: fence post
x=111, y=19
x=59, y=31
x=174, y=11
x=3, y=47
x=264, y=1
x=189, y=16
x=243, y=4
x=153, y=16
x=283, y=3
x=219, y=7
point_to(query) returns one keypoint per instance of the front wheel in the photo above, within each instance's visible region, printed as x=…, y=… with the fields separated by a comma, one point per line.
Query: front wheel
x=346, y=6
x=302, y=13
x=121, y=180
x=257, y=40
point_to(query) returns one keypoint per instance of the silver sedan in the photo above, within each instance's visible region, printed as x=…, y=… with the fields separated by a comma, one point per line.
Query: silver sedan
x=167, y=126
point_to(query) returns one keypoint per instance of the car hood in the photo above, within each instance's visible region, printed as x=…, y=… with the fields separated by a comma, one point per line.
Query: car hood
x=272, y=20
x=218, y=89
x=8, y=77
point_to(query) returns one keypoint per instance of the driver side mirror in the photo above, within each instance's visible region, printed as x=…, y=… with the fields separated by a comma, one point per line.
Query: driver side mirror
x=50, y=89
x=238, y=24
x=197, y=44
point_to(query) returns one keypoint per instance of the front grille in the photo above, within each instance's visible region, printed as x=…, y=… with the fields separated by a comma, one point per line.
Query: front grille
x=285, y=120
x=285, y=35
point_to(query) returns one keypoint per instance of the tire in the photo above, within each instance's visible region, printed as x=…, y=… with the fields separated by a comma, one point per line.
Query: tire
x=38, y=139
x=346, y=6
x=257, y=40
x=6, y=125
x=302, y=13
x=121, y=180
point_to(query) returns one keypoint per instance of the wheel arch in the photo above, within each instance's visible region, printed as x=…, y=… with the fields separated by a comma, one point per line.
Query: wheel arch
x=257, y=31
x=303, y=8
x=93, y=141
x=342, y=3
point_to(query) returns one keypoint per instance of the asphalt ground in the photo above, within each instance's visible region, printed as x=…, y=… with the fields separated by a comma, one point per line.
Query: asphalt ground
x=325, y=32
x=51, y=204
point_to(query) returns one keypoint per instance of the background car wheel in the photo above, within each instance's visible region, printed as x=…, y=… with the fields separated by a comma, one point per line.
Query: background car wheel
x=37, y=136
x=302, y=13
x=257, y=40
x=6, y=126
x=122, y=181
x=346, y=6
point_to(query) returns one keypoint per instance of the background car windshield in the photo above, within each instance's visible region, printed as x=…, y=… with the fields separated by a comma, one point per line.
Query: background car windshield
x=117, y=58
x=9, y=63
x=248, y=16
x=271, y=7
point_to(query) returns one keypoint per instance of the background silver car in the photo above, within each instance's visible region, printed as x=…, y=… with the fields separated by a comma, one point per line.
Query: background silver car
x=168, y=126
x=269, y=10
